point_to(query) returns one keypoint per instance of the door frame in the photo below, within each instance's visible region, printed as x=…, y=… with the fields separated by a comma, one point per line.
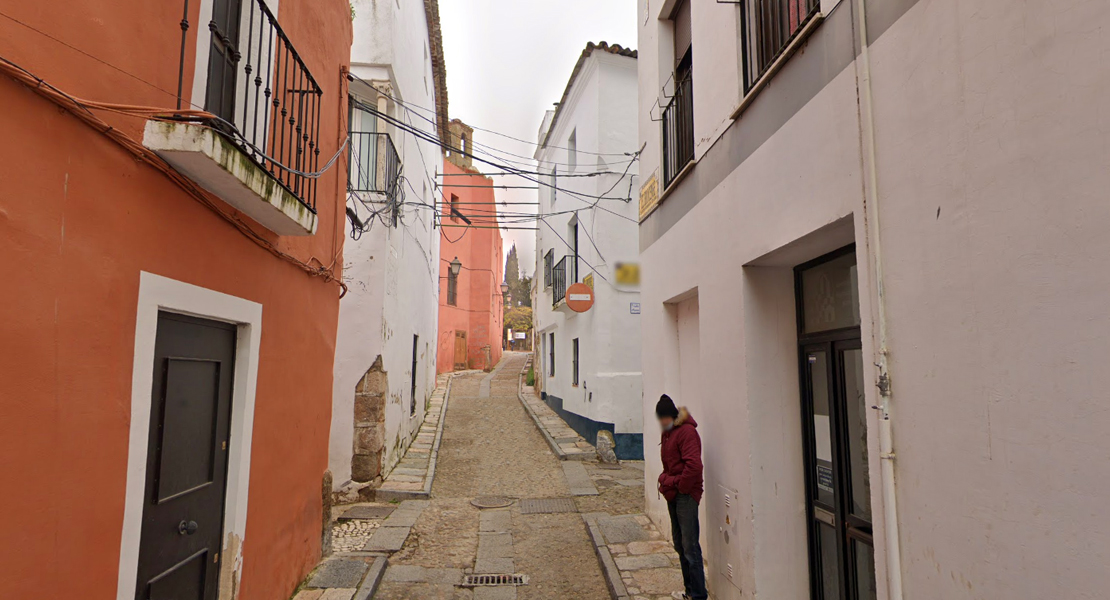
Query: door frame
x=157, y=293
x=831, y=342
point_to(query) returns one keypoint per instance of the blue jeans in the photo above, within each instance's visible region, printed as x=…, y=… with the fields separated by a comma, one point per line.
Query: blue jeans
x=686, y=533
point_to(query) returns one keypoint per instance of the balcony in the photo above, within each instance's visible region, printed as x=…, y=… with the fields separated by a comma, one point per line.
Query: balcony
x=260, y=149
x=678, y=129
x=375, y=167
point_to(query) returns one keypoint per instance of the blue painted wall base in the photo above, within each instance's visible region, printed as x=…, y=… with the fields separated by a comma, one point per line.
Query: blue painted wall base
x=630, y=446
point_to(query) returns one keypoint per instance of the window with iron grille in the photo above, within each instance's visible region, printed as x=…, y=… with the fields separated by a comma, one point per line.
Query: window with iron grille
x=678, y=114
x=559, y=281
x=548, y=265
x=551, y=354
x=768, y=27
x=574, y=362
x=374, y=165
x=452, y=288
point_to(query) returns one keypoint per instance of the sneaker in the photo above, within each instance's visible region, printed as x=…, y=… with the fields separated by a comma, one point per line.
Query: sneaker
x=679, y=596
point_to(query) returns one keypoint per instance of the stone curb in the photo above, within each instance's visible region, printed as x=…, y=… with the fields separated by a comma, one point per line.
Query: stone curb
x=559, y=452
x=608, y=566
x=372, y=580
x=429, y=478
x=381, y=495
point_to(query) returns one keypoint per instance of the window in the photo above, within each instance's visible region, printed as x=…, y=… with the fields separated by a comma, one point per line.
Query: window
x=548, y=264
x=769, y=26
x=572, y=151
x=373, y=163
x=415, y=342
x=572, y=276
x=455, y=213
x=553, y=184
x=678, y=115
x=364, y=147
x=551, y=354
x=452, y=288
x=574, y=363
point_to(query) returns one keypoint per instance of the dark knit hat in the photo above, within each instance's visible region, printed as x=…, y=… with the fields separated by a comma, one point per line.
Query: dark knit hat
x=666, y=408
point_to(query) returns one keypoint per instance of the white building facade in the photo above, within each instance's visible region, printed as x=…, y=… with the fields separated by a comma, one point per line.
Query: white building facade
x=871, y=237
x=386, y=348
x=589, y=370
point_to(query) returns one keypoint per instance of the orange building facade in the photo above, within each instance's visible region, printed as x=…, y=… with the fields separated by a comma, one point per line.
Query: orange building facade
x=470, y=302
x=170, y=297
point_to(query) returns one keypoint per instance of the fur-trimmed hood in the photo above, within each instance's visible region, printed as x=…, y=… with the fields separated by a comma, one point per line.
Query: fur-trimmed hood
x=684, y=418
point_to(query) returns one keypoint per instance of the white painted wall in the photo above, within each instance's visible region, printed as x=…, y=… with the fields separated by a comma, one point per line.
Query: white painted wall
x=600, y=111
x=991, y=179
x=392, y=272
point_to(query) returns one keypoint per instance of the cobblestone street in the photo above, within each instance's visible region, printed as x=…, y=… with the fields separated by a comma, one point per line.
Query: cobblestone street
x=491, y=448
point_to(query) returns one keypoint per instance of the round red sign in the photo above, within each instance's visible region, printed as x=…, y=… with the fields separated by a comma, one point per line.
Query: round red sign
x=580, y=297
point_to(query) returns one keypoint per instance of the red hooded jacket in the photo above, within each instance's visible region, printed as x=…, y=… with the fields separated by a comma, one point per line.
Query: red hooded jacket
x=681, y=451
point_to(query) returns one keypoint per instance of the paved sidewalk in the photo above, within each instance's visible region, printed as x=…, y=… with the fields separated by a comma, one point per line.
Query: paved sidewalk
x=412, y=477
x=638, y=563
x=563, y=441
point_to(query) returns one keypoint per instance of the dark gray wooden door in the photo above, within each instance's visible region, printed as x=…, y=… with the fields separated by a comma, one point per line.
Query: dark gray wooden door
x=186, y=473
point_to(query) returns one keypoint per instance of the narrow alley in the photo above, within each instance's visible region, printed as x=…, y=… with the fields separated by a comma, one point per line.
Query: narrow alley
x=502, y=503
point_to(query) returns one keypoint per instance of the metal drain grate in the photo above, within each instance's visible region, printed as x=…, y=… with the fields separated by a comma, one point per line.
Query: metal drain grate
x=535, y=506
x=491, y=502
x=493, y=580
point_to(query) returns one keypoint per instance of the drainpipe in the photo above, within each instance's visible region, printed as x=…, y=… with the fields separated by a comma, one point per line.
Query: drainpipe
x=871, y=227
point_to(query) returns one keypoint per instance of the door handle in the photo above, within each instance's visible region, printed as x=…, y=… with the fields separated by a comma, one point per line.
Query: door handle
x=187, y=528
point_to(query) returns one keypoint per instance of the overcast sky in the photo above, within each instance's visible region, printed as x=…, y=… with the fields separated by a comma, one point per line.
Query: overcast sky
x=508, y=61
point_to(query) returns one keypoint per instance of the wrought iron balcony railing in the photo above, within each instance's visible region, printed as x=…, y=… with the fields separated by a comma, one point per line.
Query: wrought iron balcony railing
x=264, y=97
x=768, y=27
x=374, y=164
x=678, y=129
x=559, y=281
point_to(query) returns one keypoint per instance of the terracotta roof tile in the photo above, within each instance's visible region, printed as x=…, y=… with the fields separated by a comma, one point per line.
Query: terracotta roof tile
x=590, y=48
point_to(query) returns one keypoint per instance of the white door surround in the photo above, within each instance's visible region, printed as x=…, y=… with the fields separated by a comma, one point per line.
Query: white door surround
x=157, y=293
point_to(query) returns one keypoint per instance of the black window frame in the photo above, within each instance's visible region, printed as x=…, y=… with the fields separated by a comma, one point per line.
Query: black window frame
x=551, y=354
x=415, y=350
x=574, y=363
x=452, y=288
x=548, y=265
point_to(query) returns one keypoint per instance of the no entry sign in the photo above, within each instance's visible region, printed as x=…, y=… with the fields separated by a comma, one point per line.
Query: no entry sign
x=580, y=297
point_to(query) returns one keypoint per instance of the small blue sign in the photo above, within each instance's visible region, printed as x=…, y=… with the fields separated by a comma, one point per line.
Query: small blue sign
x=634, y=308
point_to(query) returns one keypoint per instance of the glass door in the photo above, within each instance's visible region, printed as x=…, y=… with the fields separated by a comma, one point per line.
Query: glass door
x=835, y=430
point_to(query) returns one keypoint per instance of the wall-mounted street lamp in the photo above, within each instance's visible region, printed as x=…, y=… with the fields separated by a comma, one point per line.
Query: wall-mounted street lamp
x=456, y=266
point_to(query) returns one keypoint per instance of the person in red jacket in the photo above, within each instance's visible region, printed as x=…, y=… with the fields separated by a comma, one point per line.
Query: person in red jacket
x=681, y=484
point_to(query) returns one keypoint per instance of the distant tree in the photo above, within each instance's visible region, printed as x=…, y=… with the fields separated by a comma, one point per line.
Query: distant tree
x=520, y=288
x=519, y=318
x=523, y=293
x=512, y=269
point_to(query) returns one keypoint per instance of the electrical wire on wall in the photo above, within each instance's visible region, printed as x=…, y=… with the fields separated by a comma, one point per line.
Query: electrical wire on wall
x=83, y=110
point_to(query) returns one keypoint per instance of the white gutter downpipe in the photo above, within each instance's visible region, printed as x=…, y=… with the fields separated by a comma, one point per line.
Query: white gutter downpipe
x=871, y=227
